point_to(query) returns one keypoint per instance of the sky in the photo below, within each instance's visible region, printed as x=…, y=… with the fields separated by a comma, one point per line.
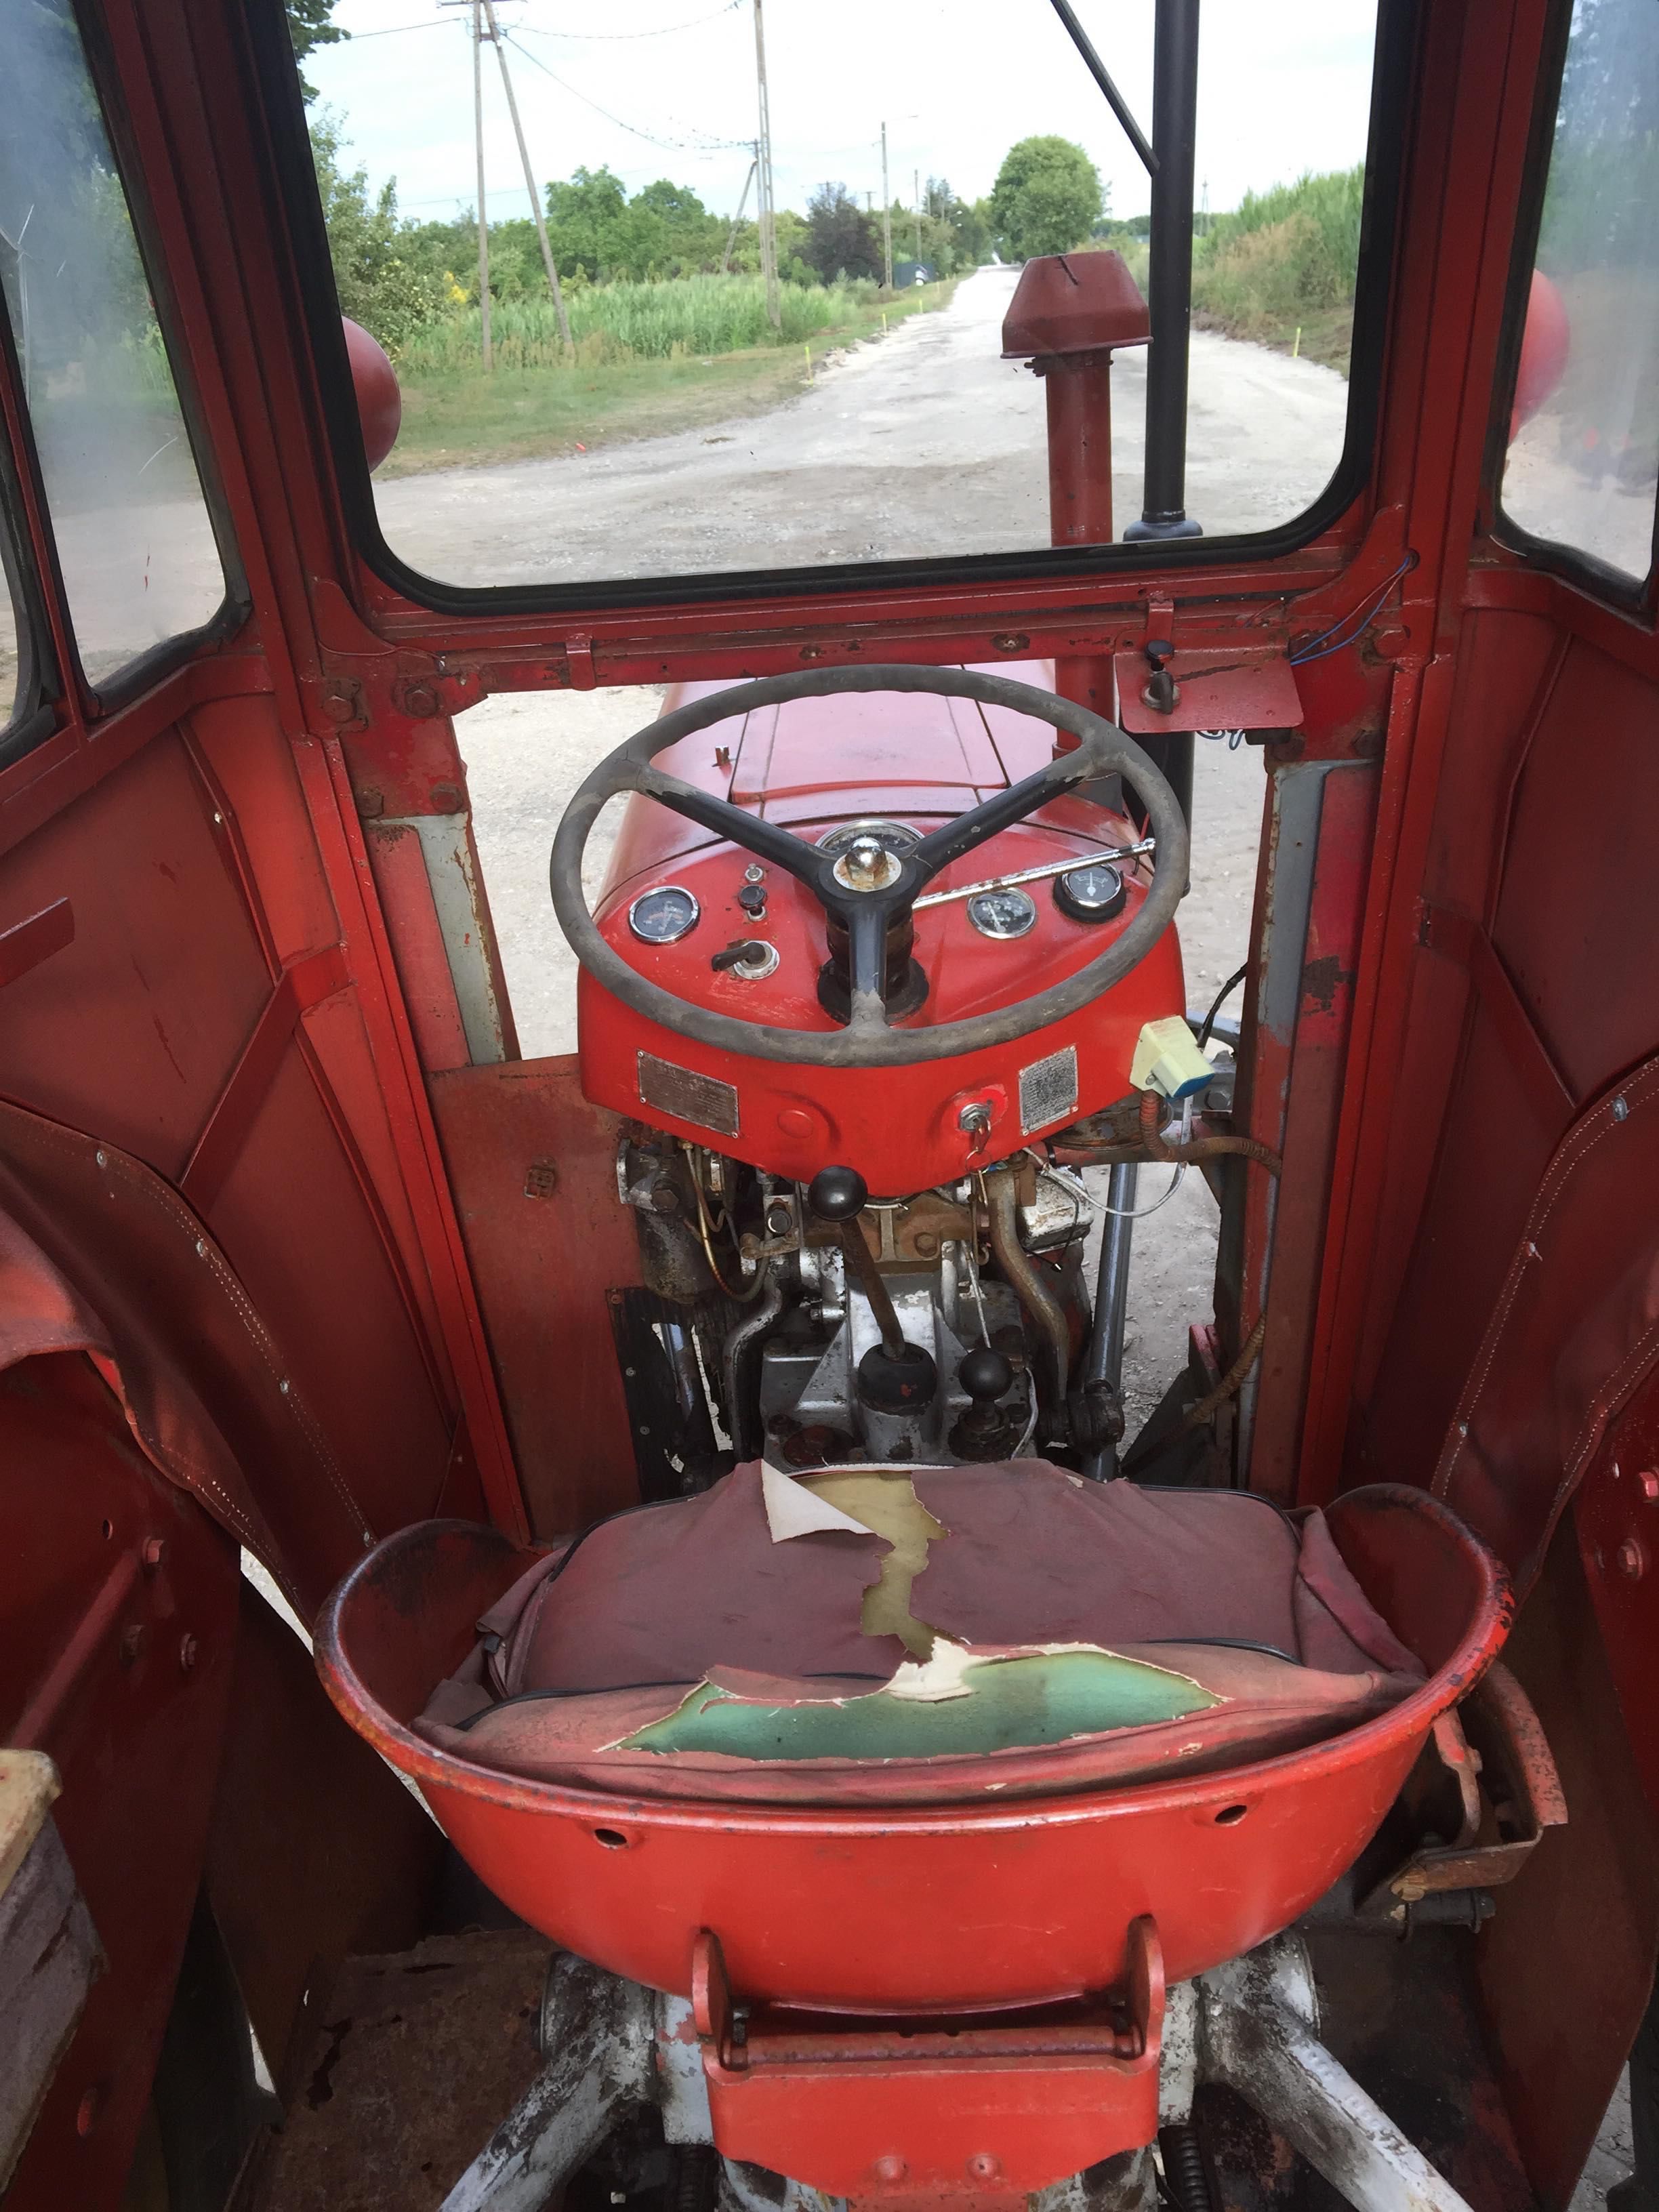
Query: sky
x=666, y=87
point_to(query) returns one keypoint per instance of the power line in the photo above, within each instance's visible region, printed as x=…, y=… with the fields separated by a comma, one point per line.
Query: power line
x=589, y=38
x=697, y=141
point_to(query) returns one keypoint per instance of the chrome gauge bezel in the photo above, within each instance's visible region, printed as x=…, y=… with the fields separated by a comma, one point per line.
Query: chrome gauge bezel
x=1071, y=902
x=657, y=891
x=1001, y=931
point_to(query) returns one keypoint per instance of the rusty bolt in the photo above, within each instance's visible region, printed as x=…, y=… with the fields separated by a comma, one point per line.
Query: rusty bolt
x=370, y=804
x=541, y=1179
x=421, y=701
x=890, y=2167
x=448, y=798
x=155, y=1552
x=984, y=2166
x=1633, y=1559
x=664, y=1199
x=1011, y=640
x=188, y=1649
x=339, y=706
x=133, y=1641
x=1648, y=1483
x=927, y=1244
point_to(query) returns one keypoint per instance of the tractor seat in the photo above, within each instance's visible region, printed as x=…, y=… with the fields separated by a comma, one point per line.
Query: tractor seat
x=898, y=1634
x=845, y=1721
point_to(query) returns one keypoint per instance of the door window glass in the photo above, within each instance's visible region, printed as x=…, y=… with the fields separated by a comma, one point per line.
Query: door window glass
x=135, y=542
x=783, y=260
x=1584, y=459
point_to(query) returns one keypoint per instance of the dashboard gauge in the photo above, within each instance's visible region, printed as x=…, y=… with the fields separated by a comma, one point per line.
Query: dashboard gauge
x=663, y=914
x=895, y=838
x=1093, y=893
x=1006, y=913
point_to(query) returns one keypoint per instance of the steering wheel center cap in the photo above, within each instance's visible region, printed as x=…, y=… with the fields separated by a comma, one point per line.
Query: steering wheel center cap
x=867, y=866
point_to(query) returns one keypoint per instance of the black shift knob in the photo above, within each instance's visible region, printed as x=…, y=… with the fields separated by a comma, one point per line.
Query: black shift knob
x=985, y=1375
x=837, y=1193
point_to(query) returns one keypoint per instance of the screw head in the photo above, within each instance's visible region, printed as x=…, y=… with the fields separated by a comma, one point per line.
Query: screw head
x=188, y=1650
x=984, y=2166
x=1633, y=1559
x=890, y=2167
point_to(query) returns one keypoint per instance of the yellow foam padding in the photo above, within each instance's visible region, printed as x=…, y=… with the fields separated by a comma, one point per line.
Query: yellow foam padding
x=885, y=1502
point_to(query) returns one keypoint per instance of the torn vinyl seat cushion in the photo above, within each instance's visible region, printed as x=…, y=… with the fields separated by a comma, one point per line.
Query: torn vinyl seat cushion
x=903, y=1635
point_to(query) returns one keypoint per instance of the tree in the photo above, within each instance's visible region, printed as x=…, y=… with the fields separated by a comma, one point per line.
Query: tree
x=1046, y=199
x=841, y=238
x=309, y=27
x=380, y=285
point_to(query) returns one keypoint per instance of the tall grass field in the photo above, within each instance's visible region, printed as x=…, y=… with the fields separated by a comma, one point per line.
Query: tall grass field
x=1285, y=261
x=680, y=316
x=644, y=358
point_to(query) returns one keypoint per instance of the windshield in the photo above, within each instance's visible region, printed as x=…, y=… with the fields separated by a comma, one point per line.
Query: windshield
x=738, y=301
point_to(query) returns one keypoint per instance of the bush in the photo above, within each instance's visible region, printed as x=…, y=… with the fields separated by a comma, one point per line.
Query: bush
x=1286, y=257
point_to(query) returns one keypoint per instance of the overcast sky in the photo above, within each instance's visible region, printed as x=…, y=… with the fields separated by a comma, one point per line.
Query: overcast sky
x=1284, y=86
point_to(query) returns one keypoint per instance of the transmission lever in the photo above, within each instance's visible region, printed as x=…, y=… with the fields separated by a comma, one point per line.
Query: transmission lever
x=894, y=1377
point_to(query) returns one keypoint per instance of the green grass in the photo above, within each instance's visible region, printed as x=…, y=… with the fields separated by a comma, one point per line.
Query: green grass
x=1285, y=262
x=647, y=359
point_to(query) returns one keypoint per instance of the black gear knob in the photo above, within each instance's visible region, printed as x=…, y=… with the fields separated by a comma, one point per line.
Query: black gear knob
x=837, y=1193
x=985, y=1375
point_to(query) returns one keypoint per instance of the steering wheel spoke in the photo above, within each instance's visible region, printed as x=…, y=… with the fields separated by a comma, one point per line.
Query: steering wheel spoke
x=737, y=826
x=952, y=839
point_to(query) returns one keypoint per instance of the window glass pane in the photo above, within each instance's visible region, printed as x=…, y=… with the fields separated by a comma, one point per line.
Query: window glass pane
x=1583, y=466
x=12, y=636
x=865, y=412
x=134, y=540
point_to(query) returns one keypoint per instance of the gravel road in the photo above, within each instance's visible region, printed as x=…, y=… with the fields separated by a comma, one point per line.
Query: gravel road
x=922, y=443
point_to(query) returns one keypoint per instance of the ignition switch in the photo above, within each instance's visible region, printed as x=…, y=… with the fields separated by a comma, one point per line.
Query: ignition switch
x=1161, y=691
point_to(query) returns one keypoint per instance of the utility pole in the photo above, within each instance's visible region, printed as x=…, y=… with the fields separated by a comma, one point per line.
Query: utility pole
x=530, y=184
x=915, y=196
x=483, y=225
x=765, y=204
x=886, y=218
x=743, y=202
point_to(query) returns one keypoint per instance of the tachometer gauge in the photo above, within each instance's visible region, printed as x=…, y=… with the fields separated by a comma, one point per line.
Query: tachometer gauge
x=663, y=914
x=1095, y=892
x=1009, y=912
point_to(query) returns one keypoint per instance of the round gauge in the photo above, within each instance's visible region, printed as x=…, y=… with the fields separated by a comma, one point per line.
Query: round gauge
x=1094, y=893
x=1006, y=913
x=663, y=914
x=894, y=837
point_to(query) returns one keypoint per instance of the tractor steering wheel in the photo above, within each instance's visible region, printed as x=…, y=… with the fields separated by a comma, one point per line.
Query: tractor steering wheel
x=866, y=902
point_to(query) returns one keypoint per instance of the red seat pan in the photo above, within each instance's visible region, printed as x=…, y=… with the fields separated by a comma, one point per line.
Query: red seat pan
x=919, y=1908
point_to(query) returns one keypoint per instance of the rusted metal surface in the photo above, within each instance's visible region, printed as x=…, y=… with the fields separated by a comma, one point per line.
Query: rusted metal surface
x=411, y=2061
x=1258, y=2037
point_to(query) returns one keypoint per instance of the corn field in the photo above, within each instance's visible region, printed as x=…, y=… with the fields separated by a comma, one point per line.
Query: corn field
x=679, y=317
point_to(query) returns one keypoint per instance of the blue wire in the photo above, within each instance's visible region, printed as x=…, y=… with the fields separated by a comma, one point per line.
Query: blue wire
x=1315, y=648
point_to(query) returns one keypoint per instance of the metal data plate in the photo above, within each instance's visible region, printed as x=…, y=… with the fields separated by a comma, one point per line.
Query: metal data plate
x=690, y=1096
x=1048, y=1090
